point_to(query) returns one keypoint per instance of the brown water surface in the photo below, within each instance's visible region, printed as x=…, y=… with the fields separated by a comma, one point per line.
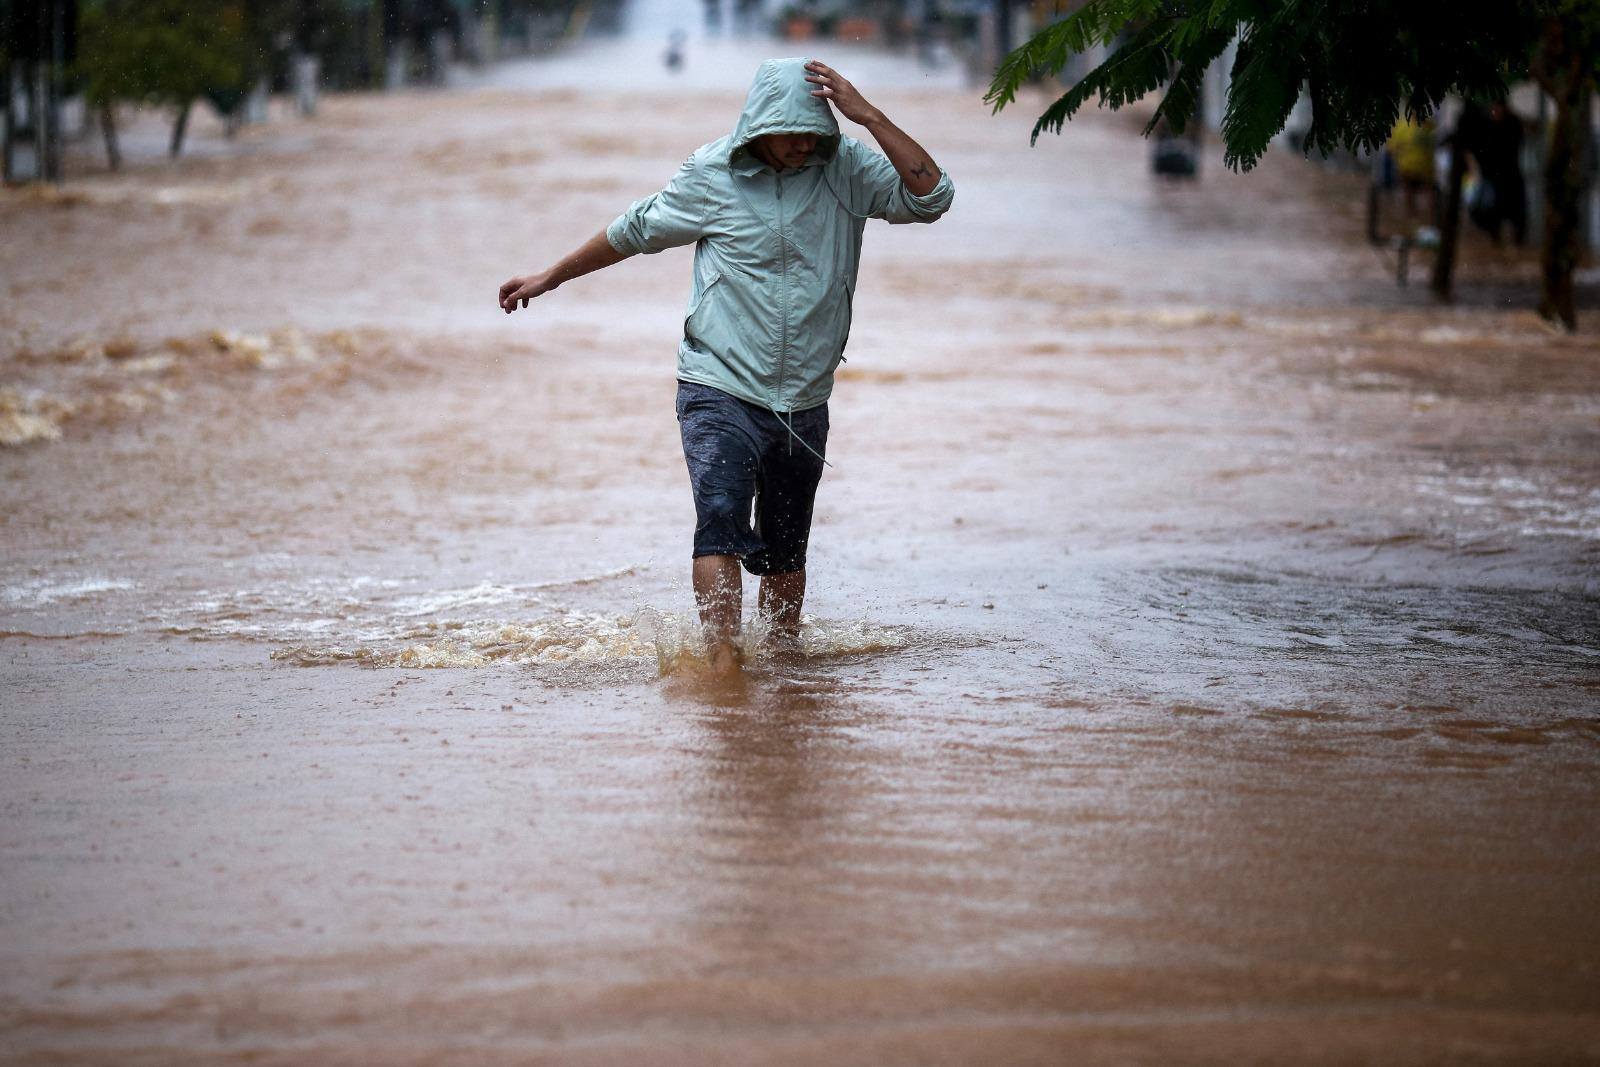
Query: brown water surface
x=1202, y=661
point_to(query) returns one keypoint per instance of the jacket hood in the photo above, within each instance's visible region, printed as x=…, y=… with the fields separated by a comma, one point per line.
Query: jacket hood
x=780, y=101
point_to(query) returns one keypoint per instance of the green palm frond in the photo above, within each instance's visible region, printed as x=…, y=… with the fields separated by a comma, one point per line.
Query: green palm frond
x=1361, y=63
x=1097, y=22
x=1265, y=85
x=1136, y=68
x=1194, y=53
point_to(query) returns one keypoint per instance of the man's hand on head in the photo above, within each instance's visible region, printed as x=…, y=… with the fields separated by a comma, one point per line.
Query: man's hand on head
x=831, y=86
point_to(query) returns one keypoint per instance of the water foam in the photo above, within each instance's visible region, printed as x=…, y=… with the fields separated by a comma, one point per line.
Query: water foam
x=1530, y=506
x=51, y=590
x=32, y=416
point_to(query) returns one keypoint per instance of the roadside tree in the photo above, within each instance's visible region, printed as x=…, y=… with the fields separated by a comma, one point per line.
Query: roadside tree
x=164, y=52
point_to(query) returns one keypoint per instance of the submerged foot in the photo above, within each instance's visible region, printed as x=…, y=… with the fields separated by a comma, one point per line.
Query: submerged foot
x=725, y=661
x=724, y=682
x=784, y=647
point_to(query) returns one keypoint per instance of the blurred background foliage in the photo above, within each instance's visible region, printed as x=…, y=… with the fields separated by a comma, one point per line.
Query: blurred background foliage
x=1361, y=66
x=1334, y=76
x=176, y=53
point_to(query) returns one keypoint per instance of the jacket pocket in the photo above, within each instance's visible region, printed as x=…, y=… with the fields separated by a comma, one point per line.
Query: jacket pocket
x=698, y=307
x=847, y=315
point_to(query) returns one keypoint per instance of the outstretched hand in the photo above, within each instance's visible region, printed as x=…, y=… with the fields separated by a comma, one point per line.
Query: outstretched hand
x=523, y=289
x=831, y=86
x=595, y=253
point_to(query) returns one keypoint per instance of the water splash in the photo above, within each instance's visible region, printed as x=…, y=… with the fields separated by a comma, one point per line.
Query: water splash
x=563, y=639
x=597, y=644
x=680, y=645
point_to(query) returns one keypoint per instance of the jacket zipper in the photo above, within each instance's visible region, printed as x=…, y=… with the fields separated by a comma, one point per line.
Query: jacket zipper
x=783, y=272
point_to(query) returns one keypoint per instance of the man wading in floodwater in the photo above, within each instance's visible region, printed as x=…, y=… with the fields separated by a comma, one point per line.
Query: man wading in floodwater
x=776, y=213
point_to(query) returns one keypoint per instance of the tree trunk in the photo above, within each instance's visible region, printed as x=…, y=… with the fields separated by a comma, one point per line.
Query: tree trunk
x=8, y=140
x=1563, y=194
x=1564, y=68
x=108, y=127
x=1444, y=260
x=179, y=127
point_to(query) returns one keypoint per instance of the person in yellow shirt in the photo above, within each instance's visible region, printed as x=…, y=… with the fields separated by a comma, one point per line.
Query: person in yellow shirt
x=1411, y=146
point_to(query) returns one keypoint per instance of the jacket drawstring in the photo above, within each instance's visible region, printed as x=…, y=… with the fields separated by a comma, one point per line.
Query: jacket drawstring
x=787, y=418
x=847, y=208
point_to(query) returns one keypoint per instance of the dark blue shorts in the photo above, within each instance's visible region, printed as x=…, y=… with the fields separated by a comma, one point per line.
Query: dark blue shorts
x=740, y=455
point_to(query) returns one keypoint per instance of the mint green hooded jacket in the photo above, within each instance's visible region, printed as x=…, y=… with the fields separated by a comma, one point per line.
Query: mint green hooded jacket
x=775, y=252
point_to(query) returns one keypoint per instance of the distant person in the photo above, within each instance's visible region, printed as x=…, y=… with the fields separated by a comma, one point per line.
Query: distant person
x=776, y=213
x=1174, y=154
x=930, y=32
x=746, y=13
x=1497, y=147
x=1411, y=146
x=674, y=54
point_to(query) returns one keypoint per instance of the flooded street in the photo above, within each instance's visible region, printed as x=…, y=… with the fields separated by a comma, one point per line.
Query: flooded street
x=1203, y=662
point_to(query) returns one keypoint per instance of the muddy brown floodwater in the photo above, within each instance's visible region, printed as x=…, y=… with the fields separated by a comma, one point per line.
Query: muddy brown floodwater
x=1202, y=663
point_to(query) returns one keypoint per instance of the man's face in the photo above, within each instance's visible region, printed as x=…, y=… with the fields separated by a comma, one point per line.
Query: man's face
x=786, y=150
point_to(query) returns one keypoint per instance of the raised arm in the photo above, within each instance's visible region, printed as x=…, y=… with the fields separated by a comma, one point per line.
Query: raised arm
x=916, y=168
x=594, y=254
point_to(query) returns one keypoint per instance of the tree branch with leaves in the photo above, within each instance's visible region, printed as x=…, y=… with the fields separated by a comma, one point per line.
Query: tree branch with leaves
x=1361, y=65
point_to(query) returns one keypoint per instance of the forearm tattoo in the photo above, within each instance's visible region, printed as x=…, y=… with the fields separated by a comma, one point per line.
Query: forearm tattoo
x=922, y=171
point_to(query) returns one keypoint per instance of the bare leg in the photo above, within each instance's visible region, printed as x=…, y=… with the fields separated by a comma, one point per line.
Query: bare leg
x=719, y=595
x=781, y=598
